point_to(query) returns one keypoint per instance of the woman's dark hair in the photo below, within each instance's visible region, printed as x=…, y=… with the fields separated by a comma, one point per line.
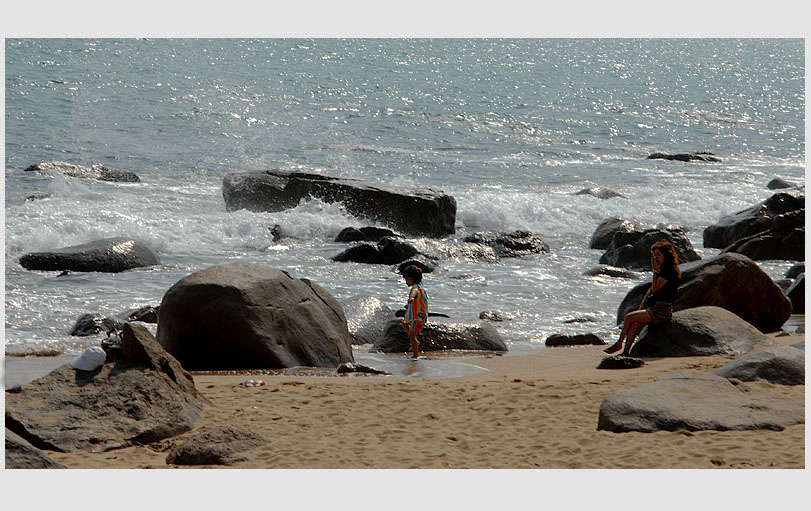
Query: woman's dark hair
x=666, y=249
x=414, y=272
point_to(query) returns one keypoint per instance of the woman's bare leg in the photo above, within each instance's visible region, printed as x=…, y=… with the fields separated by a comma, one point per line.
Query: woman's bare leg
x=639, y=322
x=626, y=325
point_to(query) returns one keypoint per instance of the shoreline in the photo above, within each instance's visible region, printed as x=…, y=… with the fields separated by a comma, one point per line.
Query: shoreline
x=536, y=410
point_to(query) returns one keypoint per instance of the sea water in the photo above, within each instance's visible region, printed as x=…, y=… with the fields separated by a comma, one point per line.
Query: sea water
x=511, y=128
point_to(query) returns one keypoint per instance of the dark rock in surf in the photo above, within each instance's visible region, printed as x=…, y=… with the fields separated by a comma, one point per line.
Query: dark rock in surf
x=759, y=219
x=22, y=455
x=555, y=340
x=111, y=255
x=796, y=293
x=223, y=445
x=731, y=281
x=695, y=401
x=632, y=249
x=424, y=211
x=37, y=196
x=511, y=244
x=96, y=171
x=611, y=271
x=697, y=156
x=599, y=192
x=699, y=331
x=92, y=324
x=441, y=336
x=795, y=271
x=367, y=318
x=146, y=314
x=602, y=236
x=422, y=262
x=779, y=184
x=144, y=397
x=781, y=365
x=373, y=234
x=620, y=362
x=389, y=250
x=244, y=316
x=494, y=316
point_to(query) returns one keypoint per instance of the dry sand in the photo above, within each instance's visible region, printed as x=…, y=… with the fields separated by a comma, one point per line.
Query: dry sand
x=527, y=411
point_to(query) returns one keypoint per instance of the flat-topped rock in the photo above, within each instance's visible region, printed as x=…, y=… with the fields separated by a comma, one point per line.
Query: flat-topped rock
x=110, y=255
x=97, y=171
x=696, y=156
x=782, y=365
x=441, y=336
x=695, y=401
x=421, y=211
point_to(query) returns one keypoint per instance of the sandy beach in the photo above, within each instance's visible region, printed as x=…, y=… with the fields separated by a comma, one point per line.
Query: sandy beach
x=533, y=411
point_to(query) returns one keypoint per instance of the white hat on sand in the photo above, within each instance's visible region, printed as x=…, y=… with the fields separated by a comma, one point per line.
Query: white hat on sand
x=90, y=360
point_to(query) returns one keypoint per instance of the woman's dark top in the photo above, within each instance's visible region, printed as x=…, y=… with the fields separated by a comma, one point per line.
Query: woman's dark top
x=667, y=294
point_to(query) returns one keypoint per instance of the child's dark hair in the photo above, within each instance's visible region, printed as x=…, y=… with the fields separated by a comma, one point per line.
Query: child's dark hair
x=414, y=272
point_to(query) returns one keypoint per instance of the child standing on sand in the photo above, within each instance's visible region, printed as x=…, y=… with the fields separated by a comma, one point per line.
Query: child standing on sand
x=417, y=308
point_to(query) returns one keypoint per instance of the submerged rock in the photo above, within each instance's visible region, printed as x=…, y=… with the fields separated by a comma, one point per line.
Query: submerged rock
x=599, y=192
x=111, y=255
x=374, y=234
x=389, y=250
x=697, y=156
x=510, y=244
x=96, y=171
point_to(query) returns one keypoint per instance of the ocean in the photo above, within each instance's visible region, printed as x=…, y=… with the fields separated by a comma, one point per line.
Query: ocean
x=511, y=128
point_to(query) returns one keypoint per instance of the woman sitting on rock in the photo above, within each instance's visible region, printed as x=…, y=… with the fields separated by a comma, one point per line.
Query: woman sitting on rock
x=658, y=299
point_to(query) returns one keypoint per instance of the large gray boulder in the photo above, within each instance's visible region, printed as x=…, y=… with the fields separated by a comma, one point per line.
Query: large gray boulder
x=731, y=281
x=756, y=219
x=219, y=446
x=695, y=401
x=441, y=336
x=242, y=316
x=143, y=397
x=21, y=454
x=632, y=249
x=699, y=331
x=367, y=318
x=111, y=255
x=96, y=171
x=783, y=365
x=423, y=211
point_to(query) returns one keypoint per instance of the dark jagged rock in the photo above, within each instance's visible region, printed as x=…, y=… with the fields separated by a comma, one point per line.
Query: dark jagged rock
x=441, y=336
x=602, y=236
x=695, y=401
x=795, y=271
x=494, y=316
x=620, y=362
x=697, y=156
x=92, y=324
x=757, y=219
x=698, y=332
x=632, y=249
x=111, y=255
x=144, y=397
x=220, y=446
x=37, y=196
x=511, y=244
x=146, y=314
x=784, y=240
x=276, y=232
x=243, y=316
x=731, y=281
x=422, y=262
x=367, y=318
x=21, y=454
x=782, y=365
x=599, y=192
x=611, y=271
x=363, y=234
x=779, y=184
x=574, y=340
x=424, y=212
x=349, y=367
x=579, y=320
x=796, y=293
x=389, y=250
x=96, y=171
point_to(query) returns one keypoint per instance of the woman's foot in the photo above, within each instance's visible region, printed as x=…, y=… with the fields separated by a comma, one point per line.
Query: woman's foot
x=614, y=348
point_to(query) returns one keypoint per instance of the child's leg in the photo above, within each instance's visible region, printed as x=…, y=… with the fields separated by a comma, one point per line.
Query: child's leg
x=412, y=337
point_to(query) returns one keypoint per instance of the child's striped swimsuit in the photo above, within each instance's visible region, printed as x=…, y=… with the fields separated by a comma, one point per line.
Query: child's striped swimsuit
x=417, y=309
